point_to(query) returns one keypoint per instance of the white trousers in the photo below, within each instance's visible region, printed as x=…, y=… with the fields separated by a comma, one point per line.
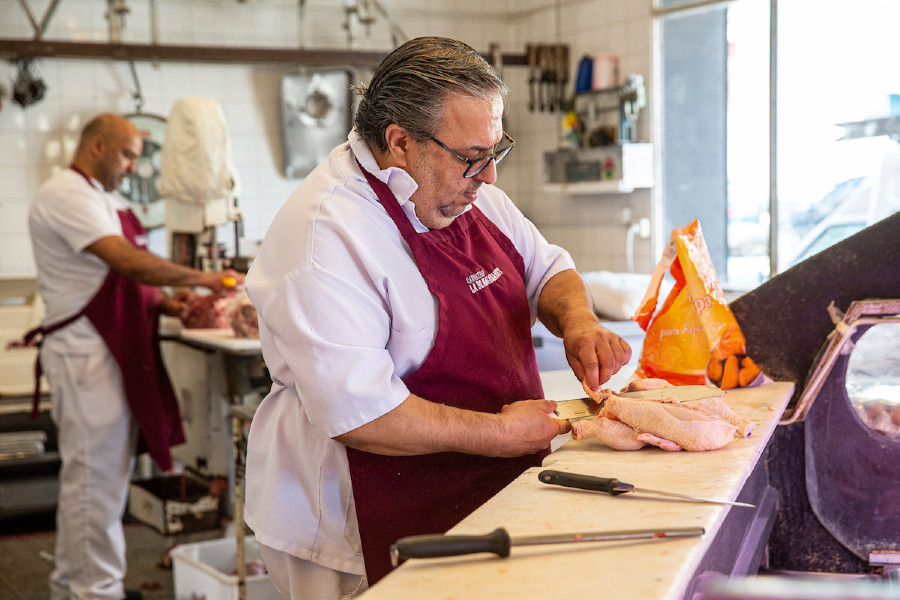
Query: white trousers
x=97, y=438
x=298, y=579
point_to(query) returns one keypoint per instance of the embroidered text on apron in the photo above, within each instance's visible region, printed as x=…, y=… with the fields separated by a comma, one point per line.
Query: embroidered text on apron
x=126, y=315
x=482, y=358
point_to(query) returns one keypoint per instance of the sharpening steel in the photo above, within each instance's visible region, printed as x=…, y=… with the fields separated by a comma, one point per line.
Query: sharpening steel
x=499, y=542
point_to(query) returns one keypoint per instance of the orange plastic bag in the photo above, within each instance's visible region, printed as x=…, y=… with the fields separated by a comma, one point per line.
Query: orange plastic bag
x=694, y=338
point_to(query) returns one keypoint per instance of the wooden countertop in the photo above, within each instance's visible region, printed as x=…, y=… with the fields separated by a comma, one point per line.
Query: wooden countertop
x=655, y=569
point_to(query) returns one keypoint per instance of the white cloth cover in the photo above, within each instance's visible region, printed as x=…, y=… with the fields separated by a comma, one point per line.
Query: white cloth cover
x=618, y=295
x=196, y=163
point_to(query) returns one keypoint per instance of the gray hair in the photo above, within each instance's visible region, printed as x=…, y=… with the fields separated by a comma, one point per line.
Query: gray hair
x=410, y=87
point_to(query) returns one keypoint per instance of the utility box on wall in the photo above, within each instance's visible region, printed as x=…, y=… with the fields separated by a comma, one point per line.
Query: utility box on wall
x=618, y=168
x=316, y=116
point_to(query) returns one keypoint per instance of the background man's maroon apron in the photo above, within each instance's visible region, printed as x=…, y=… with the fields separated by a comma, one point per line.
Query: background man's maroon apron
x=483, y=358
x=126, y=315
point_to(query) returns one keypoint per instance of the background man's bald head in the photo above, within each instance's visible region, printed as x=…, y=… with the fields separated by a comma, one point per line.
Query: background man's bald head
x=108, y=125
x=108, y=149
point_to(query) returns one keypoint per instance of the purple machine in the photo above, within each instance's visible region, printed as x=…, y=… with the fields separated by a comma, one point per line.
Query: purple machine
x=835, y=461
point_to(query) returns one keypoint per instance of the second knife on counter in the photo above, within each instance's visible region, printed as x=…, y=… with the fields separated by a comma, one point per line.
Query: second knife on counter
x=614, y=487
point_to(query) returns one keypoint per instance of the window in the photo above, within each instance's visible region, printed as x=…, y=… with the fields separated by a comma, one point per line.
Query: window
x=714, y=140
x=837, y=113
x=835, y=121
x=873, y=379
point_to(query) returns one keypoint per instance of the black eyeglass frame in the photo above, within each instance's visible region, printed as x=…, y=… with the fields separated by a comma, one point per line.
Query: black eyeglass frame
x=484, y=160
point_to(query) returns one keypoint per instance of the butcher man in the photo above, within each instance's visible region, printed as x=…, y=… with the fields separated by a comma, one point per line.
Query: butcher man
x=396, y=291
x=110, y=393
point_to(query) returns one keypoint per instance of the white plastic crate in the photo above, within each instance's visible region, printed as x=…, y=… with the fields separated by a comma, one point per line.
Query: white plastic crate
x=203, y=570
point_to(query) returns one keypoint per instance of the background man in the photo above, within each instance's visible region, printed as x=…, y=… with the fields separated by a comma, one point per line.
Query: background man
x=110, y=392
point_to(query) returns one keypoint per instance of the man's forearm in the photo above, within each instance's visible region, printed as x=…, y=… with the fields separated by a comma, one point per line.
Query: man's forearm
x=563, y=299
x=145, y=267
x=419, y=426
x=594, y=352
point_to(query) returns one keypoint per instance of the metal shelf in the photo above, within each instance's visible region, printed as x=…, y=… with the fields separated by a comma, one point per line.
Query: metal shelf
x=12, y=48
x=601, y=170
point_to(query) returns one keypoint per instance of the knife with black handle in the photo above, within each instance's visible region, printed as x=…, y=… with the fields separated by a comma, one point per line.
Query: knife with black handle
x=610, y=485
x=614, y=487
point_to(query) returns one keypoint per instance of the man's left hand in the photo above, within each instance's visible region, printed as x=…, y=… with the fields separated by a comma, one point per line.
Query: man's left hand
x=594, y=352
x=176, y=305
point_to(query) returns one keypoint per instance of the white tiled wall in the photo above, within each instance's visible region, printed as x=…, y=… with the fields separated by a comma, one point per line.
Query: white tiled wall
x=590, y=227
x=41, y=138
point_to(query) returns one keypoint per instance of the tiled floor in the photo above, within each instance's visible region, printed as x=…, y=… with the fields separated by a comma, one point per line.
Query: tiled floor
x=26, y=558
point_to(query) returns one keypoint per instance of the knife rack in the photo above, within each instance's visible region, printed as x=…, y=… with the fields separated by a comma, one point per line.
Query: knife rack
x=548, y=73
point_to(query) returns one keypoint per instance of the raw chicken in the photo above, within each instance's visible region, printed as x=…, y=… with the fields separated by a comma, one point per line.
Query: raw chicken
x=631, y=423
x=615, y=434
x=716, y=407
x=689, y=428
x=599, y=396
x=653, y=440
x=648, y=383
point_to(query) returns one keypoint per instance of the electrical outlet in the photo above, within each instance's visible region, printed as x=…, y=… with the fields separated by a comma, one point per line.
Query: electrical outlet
x=644, y=231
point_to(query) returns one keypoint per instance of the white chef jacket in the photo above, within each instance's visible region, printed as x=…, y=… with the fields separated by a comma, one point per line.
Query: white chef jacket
x=67, y=215
x=344, y=316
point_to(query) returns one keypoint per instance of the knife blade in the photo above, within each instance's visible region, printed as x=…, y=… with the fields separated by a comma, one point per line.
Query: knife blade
x=579, y=408
x=614, y=487
x=499, y=541
x=682, y=393
x=582, y=408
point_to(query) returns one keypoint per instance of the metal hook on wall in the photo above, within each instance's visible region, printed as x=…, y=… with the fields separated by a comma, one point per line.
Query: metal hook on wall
x=116, y=11
x=136, y=95
x=28, y=87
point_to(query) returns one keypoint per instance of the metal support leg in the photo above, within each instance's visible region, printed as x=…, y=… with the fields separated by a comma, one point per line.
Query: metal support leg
x=239, y=471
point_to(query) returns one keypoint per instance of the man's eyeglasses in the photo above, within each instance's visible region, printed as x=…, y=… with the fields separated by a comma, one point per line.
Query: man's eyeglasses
x=477, y=165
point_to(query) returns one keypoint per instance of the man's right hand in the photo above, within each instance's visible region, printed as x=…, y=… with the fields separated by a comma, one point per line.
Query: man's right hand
x=531, y=426
x=223, y=281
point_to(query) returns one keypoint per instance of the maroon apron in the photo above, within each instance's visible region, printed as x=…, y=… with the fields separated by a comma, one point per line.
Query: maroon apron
x=126, y=315
x=482, y=358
